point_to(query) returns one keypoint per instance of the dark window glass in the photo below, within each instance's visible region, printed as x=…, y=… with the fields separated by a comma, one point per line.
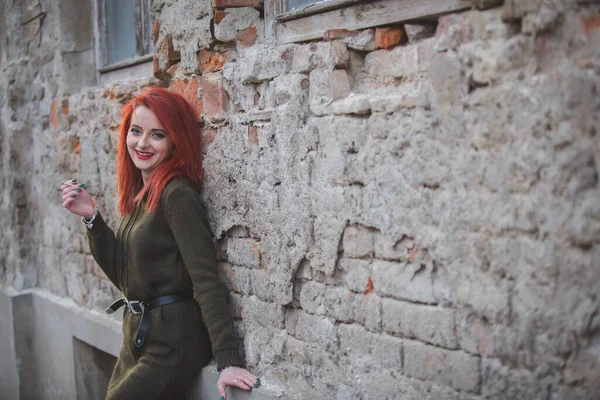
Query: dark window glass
x=297, y=4
x=120, y=30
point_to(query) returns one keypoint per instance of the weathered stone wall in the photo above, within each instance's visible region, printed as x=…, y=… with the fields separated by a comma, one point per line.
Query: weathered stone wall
x=408, y=212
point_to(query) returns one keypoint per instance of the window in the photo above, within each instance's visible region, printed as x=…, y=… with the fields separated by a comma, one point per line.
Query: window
x=125, y=33
x=292, y=4
x=304, y=7
x=301, y=20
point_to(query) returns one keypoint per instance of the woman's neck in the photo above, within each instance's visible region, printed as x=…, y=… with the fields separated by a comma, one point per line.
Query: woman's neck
x=145, y=177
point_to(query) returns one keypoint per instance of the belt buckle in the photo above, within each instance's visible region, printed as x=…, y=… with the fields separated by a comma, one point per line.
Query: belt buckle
x=135, y=307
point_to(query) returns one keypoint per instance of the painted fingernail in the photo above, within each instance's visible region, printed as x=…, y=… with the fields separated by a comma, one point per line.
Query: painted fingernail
x=222, y=398
x=81, y=185
x=73, y=179
x=73, y=196
x=257, y=379
x=250, y=387
x=78, y=190
x=257, y=384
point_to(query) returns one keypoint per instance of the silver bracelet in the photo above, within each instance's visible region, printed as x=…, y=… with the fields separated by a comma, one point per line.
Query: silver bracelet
x=89, y=223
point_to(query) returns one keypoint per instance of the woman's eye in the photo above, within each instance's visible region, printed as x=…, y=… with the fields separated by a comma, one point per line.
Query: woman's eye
x=135, y=131
x=159, y=135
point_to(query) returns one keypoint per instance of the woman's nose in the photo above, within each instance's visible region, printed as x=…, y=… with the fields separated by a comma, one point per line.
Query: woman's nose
x=143, y=142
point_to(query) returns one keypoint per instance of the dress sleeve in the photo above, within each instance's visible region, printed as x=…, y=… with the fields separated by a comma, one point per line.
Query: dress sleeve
x=104, y=248
x=189, y=224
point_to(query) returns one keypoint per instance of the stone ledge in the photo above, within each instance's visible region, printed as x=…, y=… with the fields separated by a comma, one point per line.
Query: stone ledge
x=9, y=378
x=39, y=330
x=205, y=387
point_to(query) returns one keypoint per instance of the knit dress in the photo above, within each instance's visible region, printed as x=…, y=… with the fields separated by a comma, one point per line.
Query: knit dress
x=166, y=252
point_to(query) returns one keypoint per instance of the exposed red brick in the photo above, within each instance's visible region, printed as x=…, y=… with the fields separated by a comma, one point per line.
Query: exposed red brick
x=77, y=148
x=305, y=84
x=168, y=51
x=591, y=24
x=253, y=135
x=237, y=3
x=172, y=69
x=256, y=246
x=247, y=37
x=188, y=88
x=207, y=135
x=219, y=15
x=157, y=71
x=214, y=96
x=334, y=34
x=369, y=288
x=211, y=61
x=65, y=107
x=386, y=38
x=155, y=30
x=54, y=123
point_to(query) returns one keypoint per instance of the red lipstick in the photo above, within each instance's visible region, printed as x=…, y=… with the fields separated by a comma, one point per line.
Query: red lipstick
x=143, y=156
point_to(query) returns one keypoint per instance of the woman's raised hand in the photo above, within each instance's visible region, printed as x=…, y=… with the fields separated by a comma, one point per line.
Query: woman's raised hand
x=238, y=377
x=76, y=199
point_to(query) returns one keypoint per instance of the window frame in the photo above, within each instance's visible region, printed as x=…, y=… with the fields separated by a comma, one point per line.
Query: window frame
x=312, y=22
x=312, y=9
x=143, y=37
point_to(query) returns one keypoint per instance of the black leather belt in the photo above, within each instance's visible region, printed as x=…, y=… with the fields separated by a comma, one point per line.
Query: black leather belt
x=140, y=307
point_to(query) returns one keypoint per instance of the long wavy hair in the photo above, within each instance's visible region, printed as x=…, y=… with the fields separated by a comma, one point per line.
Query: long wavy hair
x=179, y=120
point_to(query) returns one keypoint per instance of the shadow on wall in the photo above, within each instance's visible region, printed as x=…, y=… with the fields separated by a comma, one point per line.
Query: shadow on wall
x=93, y=369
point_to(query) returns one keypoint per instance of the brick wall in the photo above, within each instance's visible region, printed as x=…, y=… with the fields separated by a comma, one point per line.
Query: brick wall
x=408, y=211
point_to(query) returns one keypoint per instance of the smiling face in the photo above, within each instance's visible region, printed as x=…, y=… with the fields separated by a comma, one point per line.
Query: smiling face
x=147, y=142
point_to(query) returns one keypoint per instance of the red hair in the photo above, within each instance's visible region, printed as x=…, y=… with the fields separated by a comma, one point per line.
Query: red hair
x=179, y=120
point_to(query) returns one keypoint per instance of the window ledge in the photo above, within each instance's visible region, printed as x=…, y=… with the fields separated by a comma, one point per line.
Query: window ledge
x=300, y=27
x=134, y=69
x=125, y=64
x=314, y=9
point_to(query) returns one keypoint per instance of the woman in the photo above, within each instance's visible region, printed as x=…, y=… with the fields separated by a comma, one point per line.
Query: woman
x=161, y=254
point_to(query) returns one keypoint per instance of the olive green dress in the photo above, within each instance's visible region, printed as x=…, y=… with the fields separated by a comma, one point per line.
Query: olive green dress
x=170, y=251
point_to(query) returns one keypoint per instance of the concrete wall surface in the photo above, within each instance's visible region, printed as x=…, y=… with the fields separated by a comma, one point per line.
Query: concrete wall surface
x=44, y=327
x=408, y=210
x=9, y=377
x=56, y=343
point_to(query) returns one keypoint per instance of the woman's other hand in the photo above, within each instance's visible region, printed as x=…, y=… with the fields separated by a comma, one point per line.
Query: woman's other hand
x=76, y=199
x=237, y=377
